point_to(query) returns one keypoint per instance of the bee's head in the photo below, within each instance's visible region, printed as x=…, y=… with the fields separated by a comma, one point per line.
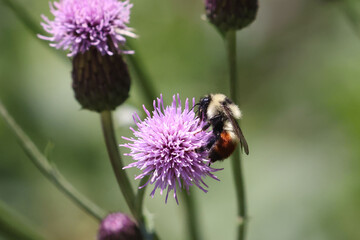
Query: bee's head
x=203, y=106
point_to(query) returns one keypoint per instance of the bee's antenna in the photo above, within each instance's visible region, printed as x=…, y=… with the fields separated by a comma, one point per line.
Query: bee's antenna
x=197, y=104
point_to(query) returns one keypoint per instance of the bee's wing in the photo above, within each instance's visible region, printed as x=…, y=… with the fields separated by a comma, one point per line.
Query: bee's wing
x=237, y=129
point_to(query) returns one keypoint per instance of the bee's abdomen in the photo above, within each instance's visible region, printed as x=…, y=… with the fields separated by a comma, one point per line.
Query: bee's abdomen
x=223, y=147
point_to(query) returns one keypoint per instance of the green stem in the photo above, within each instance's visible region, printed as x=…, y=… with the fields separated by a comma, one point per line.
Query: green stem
x=14, y=226
x=49, y=170
x=191, y=217
x=146, y=84
x=146, y=223
x=116, y=162
x=236, y=161
x=134, y=204
x=139, y=199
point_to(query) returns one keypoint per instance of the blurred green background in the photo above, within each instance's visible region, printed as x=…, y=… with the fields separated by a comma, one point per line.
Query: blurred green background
x=299, y=71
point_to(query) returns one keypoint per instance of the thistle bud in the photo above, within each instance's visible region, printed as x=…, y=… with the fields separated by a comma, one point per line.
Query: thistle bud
x=231, y=14
x=100, y=82
x=118, y=226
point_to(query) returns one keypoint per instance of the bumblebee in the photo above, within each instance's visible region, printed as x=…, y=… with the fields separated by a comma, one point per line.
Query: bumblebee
x=221, y=114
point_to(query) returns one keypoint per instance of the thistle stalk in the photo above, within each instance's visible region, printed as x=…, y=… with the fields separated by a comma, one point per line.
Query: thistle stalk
x=134, y=202
x=147, y=86
x=116, y=161
x=230, y=41
x=139, y=199
x=191, y=216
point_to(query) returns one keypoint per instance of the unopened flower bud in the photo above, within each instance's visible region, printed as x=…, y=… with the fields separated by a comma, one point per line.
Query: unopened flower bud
x=100, y=82
x=231, y=14
x=118, y=226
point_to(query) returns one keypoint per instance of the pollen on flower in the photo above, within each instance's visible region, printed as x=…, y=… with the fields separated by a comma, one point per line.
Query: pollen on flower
x=81, y=24
x=164, y=148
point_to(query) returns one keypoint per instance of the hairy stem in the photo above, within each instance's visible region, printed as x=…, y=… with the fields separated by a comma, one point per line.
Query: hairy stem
x=49, y=170
x=236, y=161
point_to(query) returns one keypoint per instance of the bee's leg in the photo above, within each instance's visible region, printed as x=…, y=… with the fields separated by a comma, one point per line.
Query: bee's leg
x=211, y=141
x=206, y=126
x=209, y=144
x=214, y=121
x=201, y=149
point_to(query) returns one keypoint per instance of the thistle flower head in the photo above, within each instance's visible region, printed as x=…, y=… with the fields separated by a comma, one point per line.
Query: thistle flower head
x=81, y=24
x=118, y=226
x=165, y=145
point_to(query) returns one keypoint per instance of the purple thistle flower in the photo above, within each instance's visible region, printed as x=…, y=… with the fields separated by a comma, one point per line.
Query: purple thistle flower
x=164, y=148
x=81, y=24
